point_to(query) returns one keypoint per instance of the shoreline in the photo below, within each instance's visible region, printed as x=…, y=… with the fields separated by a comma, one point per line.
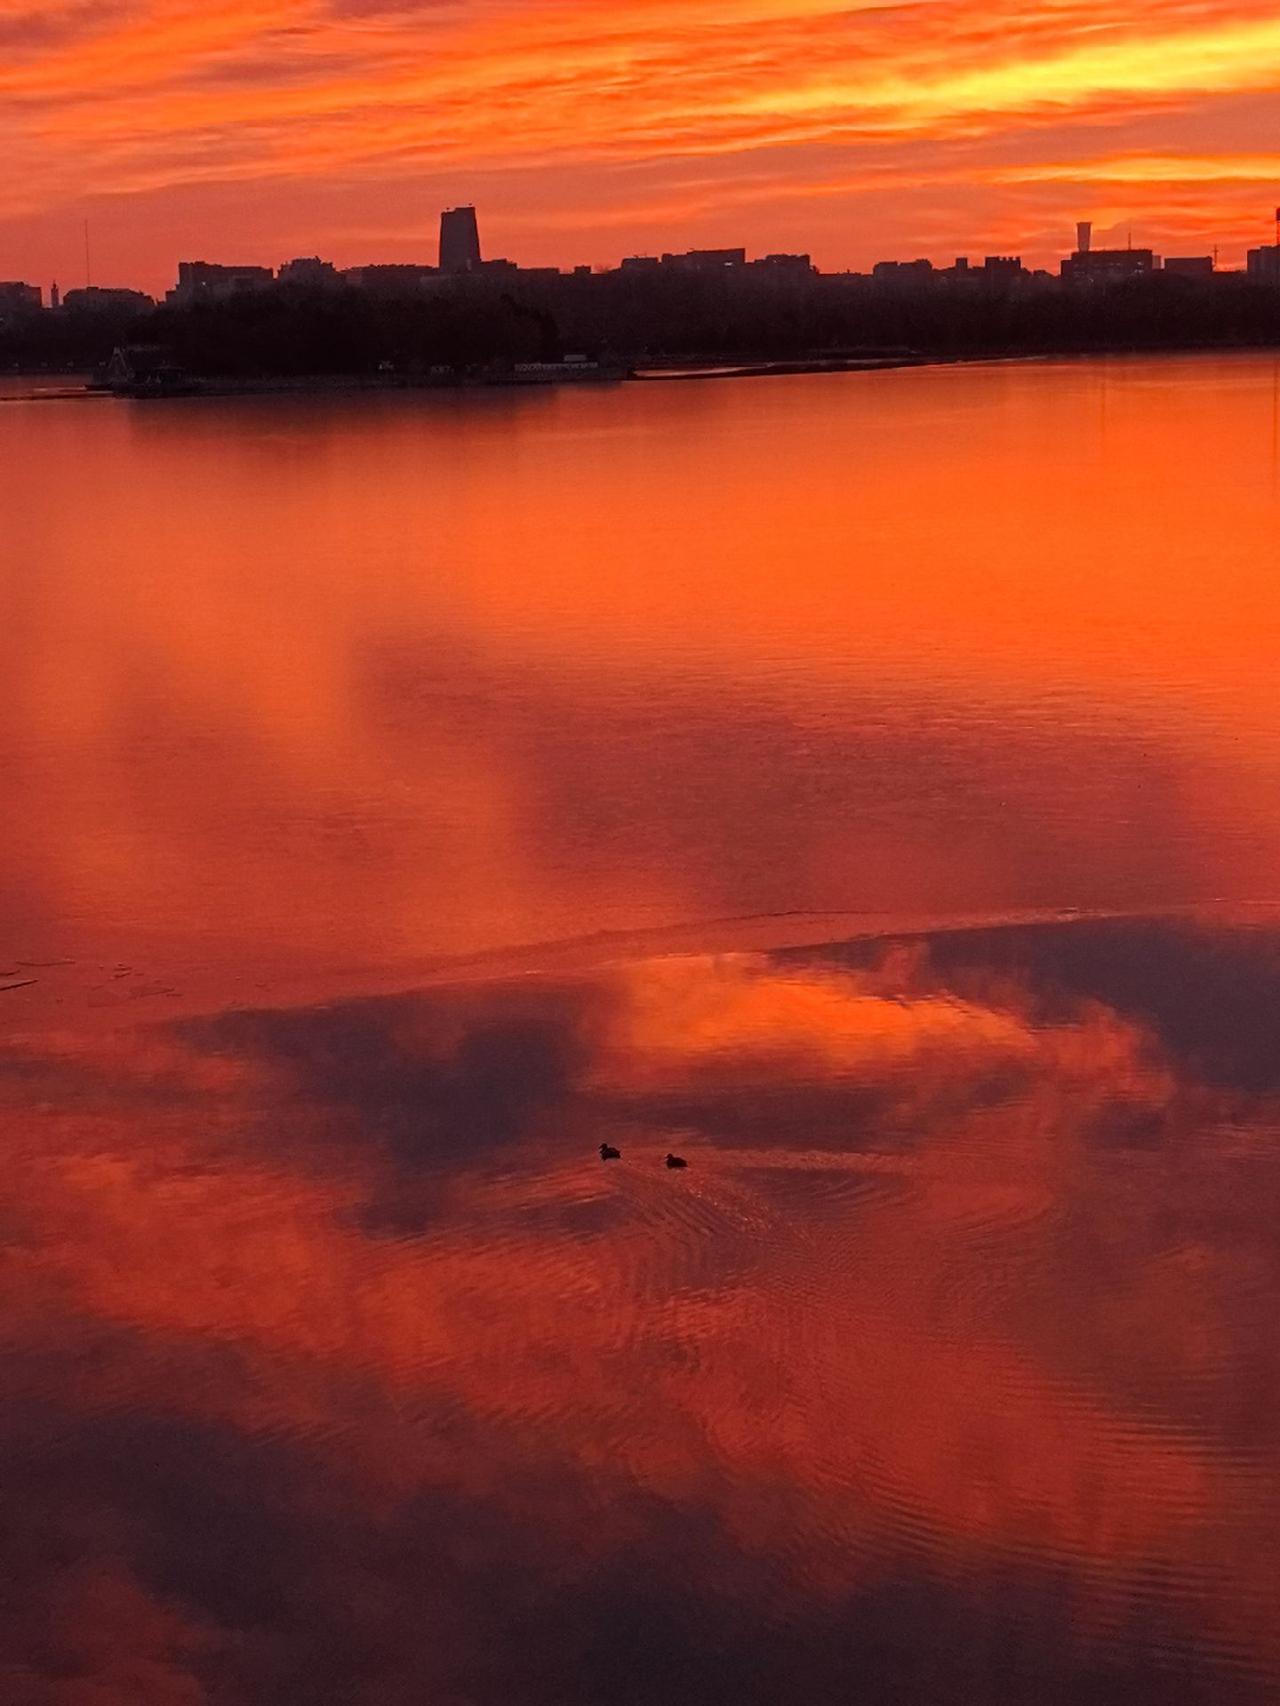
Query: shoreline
x=666, y=374
x=674, y=373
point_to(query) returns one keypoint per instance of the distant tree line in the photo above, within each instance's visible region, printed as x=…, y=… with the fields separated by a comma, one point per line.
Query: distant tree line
x=643, y=316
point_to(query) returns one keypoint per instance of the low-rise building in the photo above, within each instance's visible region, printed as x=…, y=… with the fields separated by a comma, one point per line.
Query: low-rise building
x=100, y=299
x=706, y=260
x=1107, y=266
x=1189, y=266
x=309, y=273
x=209, y=281
x=899, y=273
x=789, y=266
x=17, y=300
x=393, y=278
x=1264, y=264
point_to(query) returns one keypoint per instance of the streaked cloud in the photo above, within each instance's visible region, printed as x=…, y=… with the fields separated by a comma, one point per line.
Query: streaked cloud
x=1153, y=169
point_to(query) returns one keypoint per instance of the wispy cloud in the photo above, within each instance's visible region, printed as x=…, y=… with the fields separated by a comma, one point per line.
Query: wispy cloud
x=143, y=98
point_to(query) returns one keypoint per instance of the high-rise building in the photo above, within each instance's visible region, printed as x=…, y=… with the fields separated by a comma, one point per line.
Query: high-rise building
x=1264, y=265
x=1084, y=236
x=459, y=239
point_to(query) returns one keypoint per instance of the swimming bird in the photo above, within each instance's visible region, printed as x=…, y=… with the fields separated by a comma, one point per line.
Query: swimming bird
x=609, y=1153
x=676, y=1161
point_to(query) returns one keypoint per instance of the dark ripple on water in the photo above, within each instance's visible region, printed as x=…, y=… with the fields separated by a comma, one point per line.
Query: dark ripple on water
x=977, y=1362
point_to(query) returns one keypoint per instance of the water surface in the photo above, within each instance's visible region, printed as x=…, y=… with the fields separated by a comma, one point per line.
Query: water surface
x=372, y=679
x=912, y=740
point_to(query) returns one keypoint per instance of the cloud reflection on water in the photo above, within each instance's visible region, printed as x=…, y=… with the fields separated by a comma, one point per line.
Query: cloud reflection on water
x=338, y=1369
x=367, y=680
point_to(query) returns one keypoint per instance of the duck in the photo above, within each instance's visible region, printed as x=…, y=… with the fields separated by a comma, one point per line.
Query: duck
x=609, y=1153
x=674, y=1161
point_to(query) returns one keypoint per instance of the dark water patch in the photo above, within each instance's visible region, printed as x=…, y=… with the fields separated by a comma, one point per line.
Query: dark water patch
x=1210, y=992
x=436, y=1079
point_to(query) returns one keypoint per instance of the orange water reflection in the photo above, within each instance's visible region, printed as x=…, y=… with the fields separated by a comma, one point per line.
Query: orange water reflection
x=337, y=1362
x=358, y=680
x=335, y=1366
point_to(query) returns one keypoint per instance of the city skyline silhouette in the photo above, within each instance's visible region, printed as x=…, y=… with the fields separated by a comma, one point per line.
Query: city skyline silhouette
x=600, y=130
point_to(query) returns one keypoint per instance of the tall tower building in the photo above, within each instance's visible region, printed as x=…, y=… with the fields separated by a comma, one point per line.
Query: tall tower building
x=459, y=239
x=1084, y=237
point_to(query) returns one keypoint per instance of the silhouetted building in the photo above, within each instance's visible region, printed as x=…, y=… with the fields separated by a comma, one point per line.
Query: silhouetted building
x=18, y=299
x=1005, y=267
x=909, y=273
x=706, y=260
x=95, y=299
x=505, y=269
x=1084, y=237
x=1190, y=266
x=1264, y=264
x=393, y=278
x=309, y=273
x=205, y=281
x=799, y=266
x=459, y=240
x=1107, y=266
x=692, y=260
x=55, y=297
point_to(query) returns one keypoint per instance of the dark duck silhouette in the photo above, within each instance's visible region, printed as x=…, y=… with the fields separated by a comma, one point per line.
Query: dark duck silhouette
x=674, y=1161
x=609, y=1153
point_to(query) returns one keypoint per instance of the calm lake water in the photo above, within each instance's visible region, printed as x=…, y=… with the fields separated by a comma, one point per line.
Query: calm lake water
x=866, y=786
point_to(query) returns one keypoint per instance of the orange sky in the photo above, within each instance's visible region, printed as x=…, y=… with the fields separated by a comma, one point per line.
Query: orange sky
x=587, y=129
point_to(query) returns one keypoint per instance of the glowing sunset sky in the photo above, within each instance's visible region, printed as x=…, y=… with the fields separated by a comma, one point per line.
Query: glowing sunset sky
x=587, y=129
